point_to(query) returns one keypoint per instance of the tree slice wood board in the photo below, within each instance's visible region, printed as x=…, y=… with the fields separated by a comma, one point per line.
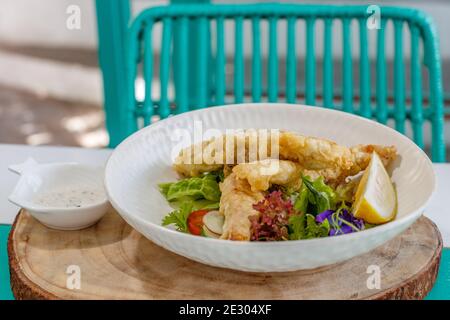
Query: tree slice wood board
x=113, y=261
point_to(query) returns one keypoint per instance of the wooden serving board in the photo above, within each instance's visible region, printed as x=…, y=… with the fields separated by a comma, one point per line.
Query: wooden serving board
x=116, y=262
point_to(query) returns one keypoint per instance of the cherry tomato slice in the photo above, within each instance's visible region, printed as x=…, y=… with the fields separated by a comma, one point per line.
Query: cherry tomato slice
x=195, y=221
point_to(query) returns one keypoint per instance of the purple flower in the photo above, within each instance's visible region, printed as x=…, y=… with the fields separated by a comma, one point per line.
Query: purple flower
x=343, y=230
x=321, y=217
x=359, y=223
x=347, y=229
x=339, y=226
x=347, y=216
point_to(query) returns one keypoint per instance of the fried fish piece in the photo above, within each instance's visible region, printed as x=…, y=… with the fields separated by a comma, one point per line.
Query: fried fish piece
x=361, y=155
x=316, y=156
x=236, y=204
x=261, y=174
x=252, y=145
x=314, y=153
x=191, y=161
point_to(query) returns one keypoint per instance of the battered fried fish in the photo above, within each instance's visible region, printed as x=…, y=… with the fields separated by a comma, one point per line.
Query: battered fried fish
x=261, y=174
x=314, y=153
x=361, y=155
x=316, y=156
x=236, y=204
x=230, y=149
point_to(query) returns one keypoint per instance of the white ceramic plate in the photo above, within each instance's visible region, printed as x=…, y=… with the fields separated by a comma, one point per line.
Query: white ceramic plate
x=143, y=160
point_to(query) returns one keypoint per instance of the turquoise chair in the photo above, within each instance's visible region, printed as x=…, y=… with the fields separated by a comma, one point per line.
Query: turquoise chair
x=113, y=19
x=206, y=86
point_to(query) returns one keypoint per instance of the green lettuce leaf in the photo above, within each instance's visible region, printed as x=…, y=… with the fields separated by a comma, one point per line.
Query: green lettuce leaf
x=314, y=229
x=205, y=204
x=321, y=196
x=164, y=188
x=205, y=187
x=179, y=217
x=197, y=204
x=301, y=202
x=297, y=226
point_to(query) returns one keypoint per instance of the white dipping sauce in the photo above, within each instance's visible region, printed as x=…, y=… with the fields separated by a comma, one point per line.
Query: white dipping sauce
x=74, y=197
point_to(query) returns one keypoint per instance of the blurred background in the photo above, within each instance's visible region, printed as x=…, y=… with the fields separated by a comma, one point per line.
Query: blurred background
x=51, y=84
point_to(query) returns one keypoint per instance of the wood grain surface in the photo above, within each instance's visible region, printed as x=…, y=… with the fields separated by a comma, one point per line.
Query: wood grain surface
x=116, y=262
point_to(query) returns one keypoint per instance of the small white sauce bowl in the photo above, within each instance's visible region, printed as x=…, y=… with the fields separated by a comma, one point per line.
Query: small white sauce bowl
x=37, y=178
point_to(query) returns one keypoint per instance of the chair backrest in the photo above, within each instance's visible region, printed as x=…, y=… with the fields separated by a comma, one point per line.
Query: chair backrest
x=200, y=80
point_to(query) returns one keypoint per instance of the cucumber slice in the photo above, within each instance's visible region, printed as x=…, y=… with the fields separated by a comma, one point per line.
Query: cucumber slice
x=214, y=221
x=209, y=234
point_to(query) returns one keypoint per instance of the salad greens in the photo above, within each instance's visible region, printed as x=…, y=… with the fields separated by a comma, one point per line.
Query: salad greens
x=312, y=210
x=296, y=226
x=191, y=194
x=301, y=201
x=179, y=217
x=205, y=187
x=315, y=229
x=320, y=211
x=321, y=197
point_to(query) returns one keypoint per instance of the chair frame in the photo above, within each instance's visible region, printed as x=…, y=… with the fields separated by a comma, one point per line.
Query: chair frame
x=176, y=18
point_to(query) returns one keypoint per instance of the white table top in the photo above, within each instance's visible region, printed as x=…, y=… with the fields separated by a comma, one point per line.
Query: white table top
x=438, y=209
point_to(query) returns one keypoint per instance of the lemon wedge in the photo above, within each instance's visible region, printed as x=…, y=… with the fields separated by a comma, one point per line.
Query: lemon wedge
x=375, y=199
